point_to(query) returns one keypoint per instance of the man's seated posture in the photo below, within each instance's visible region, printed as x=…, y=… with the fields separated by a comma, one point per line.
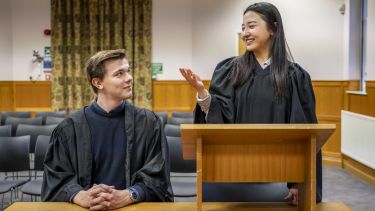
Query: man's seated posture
x=109, y=154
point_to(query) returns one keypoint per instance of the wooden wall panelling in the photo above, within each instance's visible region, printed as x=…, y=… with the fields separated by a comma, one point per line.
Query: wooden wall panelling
x=330, y=100
x=359, y=169
x=32, y=96
x=173, y=96
x=6, y=96
x=25, y=96
x=241, y=44
x=332, y=148
x=363, y=104
x=178, y=95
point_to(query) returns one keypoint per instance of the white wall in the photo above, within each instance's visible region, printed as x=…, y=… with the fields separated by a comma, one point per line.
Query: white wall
x=370, y=51
x=352, y=40
x=199, y=34
x=172, y=36
x=215, y=27
x=314, y=31
x=5, y=41
x=29, y=19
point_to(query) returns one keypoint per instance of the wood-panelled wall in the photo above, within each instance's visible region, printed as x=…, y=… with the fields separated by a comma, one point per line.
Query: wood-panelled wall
x=173, y=96
x=363, y=104
x=331, y=98
x=25, y=96
x=177, y=95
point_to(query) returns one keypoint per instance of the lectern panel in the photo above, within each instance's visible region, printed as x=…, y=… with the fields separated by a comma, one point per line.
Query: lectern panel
x=256, y=153
x=253, y=162
x=247, y=133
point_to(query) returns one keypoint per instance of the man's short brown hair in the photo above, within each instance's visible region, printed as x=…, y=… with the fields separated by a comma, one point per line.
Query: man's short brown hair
x=95, y=65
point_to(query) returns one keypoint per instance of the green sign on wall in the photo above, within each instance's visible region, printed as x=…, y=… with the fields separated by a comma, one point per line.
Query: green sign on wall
x=156, y=68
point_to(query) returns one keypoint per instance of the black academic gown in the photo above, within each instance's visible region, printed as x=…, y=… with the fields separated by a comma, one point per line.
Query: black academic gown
x=68, y=162
x=255, y=102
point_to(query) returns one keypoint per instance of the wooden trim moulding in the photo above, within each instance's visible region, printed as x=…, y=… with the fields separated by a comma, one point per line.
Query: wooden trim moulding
x=364, y=172
x=333, y=118
x=332, y=159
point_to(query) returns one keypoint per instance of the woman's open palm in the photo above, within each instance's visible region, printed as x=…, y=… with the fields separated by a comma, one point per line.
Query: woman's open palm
x=193, y=79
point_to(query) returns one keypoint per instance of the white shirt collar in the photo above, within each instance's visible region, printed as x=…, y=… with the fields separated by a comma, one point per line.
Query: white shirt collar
x=266, y=63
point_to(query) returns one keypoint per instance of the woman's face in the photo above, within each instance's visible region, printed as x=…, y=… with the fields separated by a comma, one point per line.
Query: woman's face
x=255, y=33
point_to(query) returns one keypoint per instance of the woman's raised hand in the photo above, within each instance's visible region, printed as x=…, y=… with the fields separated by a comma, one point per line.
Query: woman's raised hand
x=194, y=80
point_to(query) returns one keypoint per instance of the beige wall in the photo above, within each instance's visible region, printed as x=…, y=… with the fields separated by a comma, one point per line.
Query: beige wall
x=314, y=31
x=24, y=24
x=5, y=41
x=370, y=62
x=198, y=34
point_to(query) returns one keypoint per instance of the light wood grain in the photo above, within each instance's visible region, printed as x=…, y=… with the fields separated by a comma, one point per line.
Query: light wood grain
x=332, y=148
x=241, y=133
x=177, y=95
x=364, y=104
x=265, y=162
x=271, y=152
x=307, y=200
x=332, y=158
x=329, y=97
x=359, y=169
x=262, y=162
x=32, y=94
x=173, y=96
x=25, y=96
x=178, y=206
x=199, y=163
x=241, y=45
x=6, y=96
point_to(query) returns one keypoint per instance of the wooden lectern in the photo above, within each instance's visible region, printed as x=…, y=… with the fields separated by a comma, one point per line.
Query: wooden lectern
x=257, y=153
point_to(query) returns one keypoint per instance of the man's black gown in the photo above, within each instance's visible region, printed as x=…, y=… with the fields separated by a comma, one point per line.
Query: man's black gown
x=255, y=102
x=68, y=162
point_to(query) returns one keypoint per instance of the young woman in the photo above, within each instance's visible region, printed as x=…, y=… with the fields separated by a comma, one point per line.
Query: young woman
x=261, y=86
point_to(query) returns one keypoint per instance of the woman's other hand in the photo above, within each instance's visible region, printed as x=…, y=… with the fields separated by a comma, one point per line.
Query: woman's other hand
x=195, y=81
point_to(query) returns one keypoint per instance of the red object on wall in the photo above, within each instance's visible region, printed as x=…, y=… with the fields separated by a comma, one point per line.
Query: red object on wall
x=47, y=32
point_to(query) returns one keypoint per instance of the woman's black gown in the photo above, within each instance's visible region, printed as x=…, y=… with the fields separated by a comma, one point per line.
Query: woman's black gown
x=255, y=102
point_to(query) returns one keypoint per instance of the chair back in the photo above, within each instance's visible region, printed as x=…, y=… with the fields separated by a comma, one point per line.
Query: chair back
x=14, y=154
x=183, y=114
x=44, y=115
x=15, y=121
x=178, y=164
x=6, y=131
x=172, y=130
x=179, y=121
x=163, y=115
x=41, y=147
x=7, y=114
x=34, y=131
x=51, y=120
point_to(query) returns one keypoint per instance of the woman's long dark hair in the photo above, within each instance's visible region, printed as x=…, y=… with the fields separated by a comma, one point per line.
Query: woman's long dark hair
x=279, y=51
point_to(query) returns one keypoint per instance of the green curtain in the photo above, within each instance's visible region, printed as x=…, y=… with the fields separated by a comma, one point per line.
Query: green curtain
x=80, y=28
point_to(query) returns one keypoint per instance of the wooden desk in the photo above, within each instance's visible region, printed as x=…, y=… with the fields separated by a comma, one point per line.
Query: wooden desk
x=177, y=206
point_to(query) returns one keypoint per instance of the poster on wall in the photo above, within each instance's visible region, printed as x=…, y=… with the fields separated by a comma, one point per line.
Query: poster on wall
x=156, y=68
x=47, y=63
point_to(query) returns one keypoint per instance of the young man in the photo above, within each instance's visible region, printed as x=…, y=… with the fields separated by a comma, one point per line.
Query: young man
x=110, y=154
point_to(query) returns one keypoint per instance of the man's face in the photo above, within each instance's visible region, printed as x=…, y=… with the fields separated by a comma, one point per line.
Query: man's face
x=117, y=81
